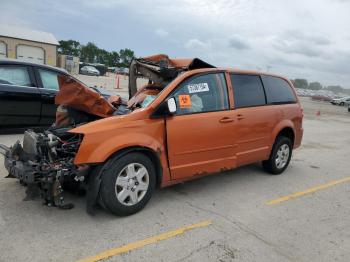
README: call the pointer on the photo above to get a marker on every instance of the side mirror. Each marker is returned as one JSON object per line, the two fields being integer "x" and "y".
{"x": 172, "y": 105}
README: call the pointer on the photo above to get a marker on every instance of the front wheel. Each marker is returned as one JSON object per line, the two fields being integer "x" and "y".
{"x": 341, "y": 104}
{"x": 127, "y": 184}
{"x": 280, "y": 156}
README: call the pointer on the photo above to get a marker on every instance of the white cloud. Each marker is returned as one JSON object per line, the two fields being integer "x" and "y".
{"x": 237, "y": 42}
{"x": 161, "y": 32}
{"x": 194, "y": 44}
{"x": 295, "y": 38}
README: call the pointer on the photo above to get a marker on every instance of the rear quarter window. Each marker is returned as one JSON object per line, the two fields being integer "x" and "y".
{"x": 49, "y": 79}
{"x": 278, "y": 91}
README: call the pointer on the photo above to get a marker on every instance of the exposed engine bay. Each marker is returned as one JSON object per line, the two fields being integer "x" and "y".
{"x": 44, "y": 162}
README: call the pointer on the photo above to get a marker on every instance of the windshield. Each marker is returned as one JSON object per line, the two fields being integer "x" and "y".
{"x": 148, "y": 100}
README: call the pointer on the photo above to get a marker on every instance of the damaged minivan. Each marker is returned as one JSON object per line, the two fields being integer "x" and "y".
{"x": 191, "y": 119}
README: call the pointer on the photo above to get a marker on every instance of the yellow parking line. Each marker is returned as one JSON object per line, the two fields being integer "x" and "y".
{"x": 308, "y": 191}
{"x": 144, "y": 242}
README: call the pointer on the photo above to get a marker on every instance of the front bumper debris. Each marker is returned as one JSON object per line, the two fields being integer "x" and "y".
{"x": 47, "y": 184}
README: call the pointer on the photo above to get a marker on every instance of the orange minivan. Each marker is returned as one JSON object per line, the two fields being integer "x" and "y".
{"x": 202, "y": 121}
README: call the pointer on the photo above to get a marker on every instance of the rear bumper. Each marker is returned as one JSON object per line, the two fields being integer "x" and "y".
{"x": 298, "y": 138}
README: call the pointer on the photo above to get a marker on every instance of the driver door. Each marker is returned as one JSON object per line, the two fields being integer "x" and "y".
{"x": 200, "y": 135}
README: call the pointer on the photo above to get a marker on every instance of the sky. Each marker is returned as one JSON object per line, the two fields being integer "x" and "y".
{"x": 295, "y": 38}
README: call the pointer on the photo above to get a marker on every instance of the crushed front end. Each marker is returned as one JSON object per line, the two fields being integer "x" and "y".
{"x": 44, "y": 163}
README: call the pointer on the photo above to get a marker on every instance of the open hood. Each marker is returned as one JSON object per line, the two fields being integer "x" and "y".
{"x": 78, "y": 96}
{"x": 160, "y": 69}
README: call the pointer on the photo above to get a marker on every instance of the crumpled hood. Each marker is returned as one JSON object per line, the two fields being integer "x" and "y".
{"x": 76, "y": 95}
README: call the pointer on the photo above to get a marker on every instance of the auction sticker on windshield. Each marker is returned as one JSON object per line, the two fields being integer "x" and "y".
{"x": 197, "y": 88}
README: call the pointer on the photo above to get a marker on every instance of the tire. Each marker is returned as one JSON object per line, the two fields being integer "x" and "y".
{"x": 341, "y": 104}
{"x": 349, "y": 109}
{"x": 131, "y": 177}
{"x": 280, "y": 146}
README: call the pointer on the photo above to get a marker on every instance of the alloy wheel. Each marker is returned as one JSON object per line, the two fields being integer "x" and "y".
{"x": 282, "y": 156}
{"x": 132, "y": 184}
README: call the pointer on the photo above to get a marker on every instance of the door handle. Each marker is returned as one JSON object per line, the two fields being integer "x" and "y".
{"x": 226, "y": 120}
{"x": 240, "y": 117}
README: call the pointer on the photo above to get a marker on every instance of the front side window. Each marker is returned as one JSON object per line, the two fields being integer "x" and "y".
{"x": 247, "y": 90}
{"x": 278, "y": 91}
{"x": 14, "y": 75}
{"x": 203, "y": 93}
{"x": 49, "y": 79}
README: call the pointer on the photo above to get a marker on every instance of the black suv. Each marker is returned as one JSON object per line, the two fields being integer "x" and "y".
{"x": 27, "y": 93}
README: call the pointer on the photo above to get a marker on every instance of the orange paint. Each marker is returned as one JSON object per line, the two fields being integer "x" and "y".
{"x": 194, "y": 144}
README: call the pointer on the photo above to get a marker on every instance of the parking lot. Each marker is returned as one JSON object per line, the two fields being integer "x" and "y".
{"x": 240, "y": 215}
{"x": 111, "y": 82}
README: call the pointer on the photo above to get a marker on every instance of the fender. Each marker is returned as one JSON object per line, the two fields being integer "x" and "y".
{"x": 281, "y": 125}
{"x": 91, "y": 152}
{"x": 99, "y": 152}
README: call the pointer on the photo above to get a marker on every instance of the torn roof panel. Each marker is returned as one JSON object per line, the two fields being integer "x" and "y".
{"x": 185, "y": 63}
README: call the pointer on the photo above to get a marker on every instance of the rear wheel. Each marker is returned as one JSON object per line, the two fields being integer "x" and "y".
{"x": 280, "y": 156}
{"x": 127, "y": 184}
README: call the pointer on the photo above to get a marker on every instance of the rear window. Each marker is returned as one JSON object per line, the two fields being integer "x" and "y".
{"x": 14, "y": 75}
{"x": 247, "y": 90}
{"x": 278, "y": 91}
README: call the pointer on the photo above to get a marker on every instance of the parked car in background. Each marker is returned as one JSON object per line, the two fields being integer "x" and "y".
{"x": 122, "y": 71}
{"x": 340, "y": 101}
{"x": 27, "y": 93}
{"x": 347, "y": 102}
{"x": 89, "y": 70}
{"x": 321, "y": 98}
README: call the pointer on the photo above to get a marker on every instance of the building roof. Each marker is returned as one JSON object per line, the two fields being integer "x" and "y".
{"x": 28, "y": 34}
{"x": 9, "y": 61}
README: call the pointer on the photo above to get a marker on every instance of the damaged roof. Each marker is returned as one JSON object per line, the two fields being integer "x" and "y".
{"x": 161, "y": 69}
{"x": 162, "y": 60}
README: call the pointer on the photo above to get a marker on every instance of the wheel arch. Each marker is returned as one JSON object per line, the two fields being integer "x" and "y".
{"x": 286, "y": 128}
{"x": 150, "y": 153}
{"x": 287, "y": 132}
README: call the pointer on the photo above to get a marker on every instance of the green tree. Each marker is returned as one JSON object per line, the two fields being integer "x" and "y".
{"x": 126, "y": 55}
{"x": 315, "y": 86}
{"x": 102, "y": 56}
{"x": 113, "y": 58}
{"x": 336, "y": 89}
{"x": 69, "y": 47}
{"x": 301, "y": 83}
{"x": 89, "y": 53}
